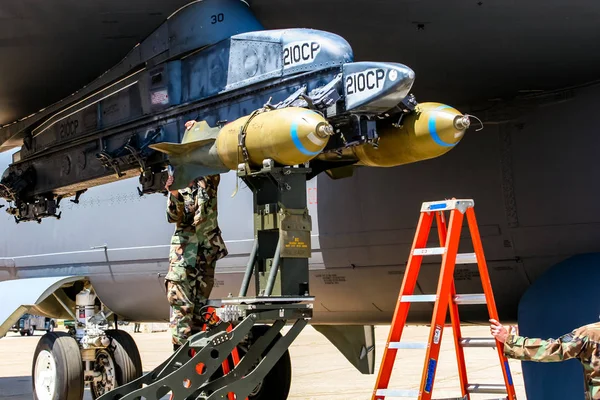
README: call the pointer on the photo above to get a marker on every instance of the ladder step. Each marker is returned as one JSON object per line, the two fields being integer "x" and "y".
{"x": 397, "y": 393}
{"x": 430, "y": 251}
{"x": 486, "y": 388}
{"x": 456, "y": 398}
{"x": 477, "y": 342}
{"x": 470, "y": 299}
{"x": 407, "y": 345}
{"x": 466, "y": 258}
{"x": 418, "y": 298}
{"x": 458, "y": 299}
{"x": 442, "y": 205}
{"x": 415, "y": 393}
{"x": 461, "y": 258}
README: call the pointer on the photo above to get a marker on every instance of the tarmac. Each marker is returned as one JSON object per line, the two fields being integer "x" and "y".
{"x": 320, "y": 371}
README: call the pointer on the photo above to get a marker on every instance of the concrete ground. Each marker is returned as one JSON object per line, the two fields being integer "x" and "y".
{"x": 320, "y": 372}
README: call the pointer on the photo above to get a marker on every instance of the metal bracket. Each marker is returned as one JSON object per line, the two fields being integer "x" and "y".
{"x": 364, "y": 131}
{"x": 293, "y": 97}
{"x": 128, "y": 153}
{"x": 136, "y": 155}
{"x": 318, "y": 99}
{"x": 40, "y": 208}
{"x": 109, "y": 162}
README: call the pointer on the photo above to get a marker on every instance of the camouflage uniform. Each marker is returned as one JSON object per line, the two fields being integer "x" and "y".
{"x": 582, "y": 343}
{"x": 196, "y": 246}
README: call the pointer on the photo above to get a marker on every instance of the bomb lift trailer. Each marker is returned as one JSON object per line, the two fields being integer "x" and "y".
{"x": 279, "y": 263}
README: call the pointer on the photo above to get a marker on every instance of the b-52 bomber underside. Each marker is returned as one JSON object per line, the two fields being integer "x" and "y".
{"x": 291, "y": 97}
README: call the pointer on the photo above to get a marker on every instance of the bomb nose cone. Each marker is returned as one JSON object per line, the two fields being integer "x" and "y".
{"x": 443, "y": 124}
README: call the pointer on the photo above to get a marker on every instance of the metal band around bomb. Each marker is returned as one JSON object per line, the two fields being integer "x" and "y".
{"x": 242, "y": 138}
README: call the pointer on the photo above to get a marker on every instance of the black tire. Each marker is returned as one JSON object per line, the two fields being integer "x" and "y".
{"x": 51, "y": 327}
{"x": 69, "y": 366}
{"x": 125, "y": 356}
{"x": 22, "y": 333}
{"x": 276, "y": 385}
{"x": 30, "y": 331}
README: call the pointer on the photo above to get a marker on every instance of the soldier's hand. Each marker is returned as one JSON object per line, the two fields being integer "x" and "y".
{"x": 169, "y": 182}
{"x": 170, "y": 179}
{"x": 189, "y": 124}
{"x": 498, "y": 330}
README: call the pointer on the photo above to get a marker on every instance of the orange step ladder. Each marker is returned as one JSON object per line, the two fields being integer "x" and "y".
{"x": 445, "y": 298}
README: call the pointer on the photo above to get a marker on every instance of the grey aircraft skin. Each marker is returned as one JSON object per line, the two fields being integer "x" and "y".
{"x": 524, "y": 68}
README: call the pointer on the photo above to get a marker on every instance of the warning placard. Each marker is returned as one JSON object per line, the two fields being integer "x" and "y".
{"x": 296, "y": 243}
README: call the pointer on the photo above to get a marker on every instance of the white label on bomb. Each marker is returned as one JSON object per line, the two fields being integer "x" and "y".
{"x": 363, "y": 85}
{"x": 300, "y": 53}
{"x": 313, "y": 138}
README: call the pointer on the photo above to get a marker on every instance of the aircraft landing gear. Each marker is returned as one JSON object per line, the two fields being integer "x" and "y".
{"x": 64, "y": 363}
{"x": 117, "y": 364}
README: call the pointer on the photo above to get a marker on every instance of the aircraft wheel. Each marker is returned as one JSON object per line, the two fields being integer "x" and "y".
{"x": 57, "y": 370}
{"x": 118, "y": 364}
{"x": 276, "y": 385}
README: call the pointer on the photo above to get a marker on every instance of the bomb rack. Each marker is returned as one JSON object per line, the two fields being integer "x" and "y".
{"x": 207, "y": 366}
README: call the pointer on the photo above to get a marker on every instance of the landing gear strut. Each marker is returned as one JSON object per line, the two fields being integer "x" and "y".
{"x": 279, "y": 263}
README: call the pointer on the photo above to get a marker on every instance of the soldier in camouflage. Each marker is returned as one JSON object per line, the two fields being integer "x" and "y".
{"x": 582, "y": 343}
{"x": 196, "y": 246}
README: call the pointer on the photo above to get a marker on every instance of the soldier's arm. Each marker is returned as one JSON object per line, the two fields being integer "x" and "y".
{"x": 175, "y": 209}
{"x": 551, "y": 350}
{"x": 211, "y": 183}
{"x": 175, "y": 206}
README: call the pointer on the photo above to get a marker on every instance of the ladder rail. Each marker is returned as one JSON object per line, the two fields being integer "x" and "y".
{"x": 460, "y": 353}
{"x": 441, "y": 306}
{"x": 489, "y": 295}
{"x": 401, "y": 312}
{"x": 454, "y": 316}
